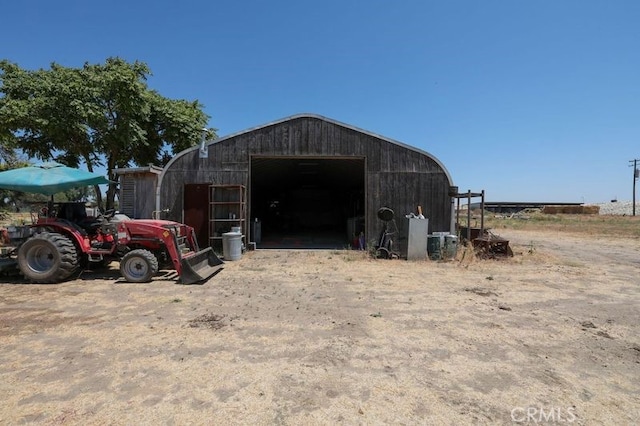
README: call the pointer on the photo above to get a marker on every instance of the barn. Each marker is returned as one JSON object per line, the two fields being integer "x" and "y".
{"x": 305, "y": 181}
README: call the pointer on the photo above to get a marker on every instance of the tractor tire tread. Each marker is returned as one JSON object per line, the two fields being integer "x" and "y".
{"x": 67, "y": 265}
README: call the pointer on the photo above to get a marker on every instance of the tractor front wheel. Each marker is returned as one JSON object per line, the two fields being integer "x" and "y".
{"x": 47, "y": 257}
{"x": 138, "y": 266}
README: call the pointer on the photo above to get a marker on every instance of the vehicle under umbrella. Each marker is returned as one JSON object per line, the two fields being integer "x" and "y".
{"x": 65, "y": 238}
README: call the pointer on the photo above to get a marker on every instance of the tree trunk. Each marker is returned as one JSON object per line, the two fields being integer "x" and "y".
{"x": 111, "y": 191}
{"x": 111, "y": 196}
{"x": 96, "y": 188}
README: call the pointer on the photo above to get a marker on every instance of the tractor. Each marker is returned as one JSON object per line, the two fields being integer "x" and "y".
{"x": 64, "y": 239}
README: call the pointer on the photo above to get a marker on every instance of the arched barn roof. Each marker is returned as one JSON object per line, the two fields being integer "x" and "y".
{"x": 309, "y": 115}
{"x": 307, "y": 175}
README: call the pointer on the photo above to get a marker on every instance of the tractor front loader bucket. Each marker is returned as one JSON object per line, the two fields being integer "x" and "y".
{"x": 199, "y": 267}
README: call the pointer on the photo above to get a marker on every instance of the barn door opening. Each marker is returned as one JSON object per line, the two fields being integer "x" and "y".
{"x": 307, "y": 202}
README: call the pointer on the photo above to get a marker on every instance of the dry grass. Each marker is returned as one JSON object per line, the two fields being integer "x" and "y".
{"x": 595, "y": 225}
{"x": 336, "y": 337}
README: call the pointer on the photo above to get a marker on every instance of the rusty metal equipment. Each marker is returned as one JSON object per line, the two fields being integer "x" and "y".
{"x": 489, "y": 246}
{"x": 486, "y": 244}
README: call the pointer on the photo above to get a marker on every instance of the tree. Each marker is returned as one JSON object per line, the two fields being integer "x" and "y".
{"x": 100, "y": 115}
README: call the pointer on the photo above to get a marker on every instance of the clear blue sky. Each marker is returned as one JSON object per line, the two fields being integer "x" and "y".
{"x": 528, "y": 100}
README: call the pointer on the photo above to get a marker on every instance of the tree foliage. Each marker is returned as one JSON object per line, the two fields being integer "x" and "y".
{"x": 99, "y": 115}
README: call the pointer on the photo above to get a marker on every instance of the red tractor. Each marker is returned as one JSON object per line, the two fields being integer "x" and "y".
{"x": 64, "y": 239}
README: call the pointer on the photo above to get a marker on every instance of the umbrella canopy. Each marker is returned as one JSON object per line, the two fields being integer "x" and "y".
{"x": 49, "y": 178}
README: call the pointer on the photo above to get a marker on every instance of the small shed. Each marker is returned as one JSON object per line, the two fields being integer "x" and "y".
{"x": 305, "y": 181}
{"x": 137, "y": 186}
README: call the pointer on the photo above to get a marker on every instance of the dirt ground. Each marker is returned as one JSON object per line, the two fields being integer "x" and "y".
{"x": 333, "y": 337}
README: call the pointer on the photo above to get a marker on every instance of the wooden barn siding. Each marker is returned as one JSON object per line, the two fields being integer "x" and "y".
{"x": 397, "y": 177}
{"x": 137, "y": 199}
{"x": 403, "y": 193}
{"x": 144, "y": 206}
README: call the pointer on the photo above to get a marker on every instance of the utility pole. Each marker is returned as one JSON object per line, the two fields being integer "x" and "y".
{"x": 636, "y": 173}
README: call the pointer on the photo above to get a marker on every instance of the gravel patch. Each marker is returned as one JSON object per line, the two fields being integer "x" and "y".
{"x": 621, "y": 208}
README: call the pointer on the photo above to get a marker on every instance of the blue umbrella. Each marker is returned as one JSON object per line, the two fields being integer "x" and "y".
{"x": 48, "y": 178}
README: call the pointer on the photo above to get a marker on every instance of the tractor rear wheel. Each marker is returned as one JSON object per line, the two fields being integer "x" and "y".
{"x": 138, "y": 266}
{"x": 48, "y": 257}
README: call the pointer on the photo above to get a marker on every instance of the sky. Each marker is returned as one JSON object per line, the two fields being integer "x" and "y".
{"x": 527, "y": 100}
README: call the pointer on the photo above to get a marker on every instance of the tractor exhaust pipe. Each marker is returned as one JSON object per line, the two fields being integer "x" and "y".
{"x": 199, "y": 267}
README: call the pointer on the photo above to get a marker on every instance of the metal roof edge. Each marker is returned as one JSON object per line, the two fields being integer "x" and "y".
{"x": 150, "y": 168}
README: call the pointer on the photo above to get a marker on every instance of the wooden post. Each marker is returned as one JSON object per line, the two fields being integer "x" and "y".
{"x": 469, "y": 215}
{"x": 636, "y": 174}
{"x": 458, "y": 216}
{"x": 635, "y": 177}
{"x": 482, "y": 215}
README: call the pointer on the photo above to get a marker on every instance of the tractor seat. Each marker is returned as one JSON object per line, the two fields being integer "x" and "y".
{"x": 90, "y": 225}
{"x": 73, "y": 212}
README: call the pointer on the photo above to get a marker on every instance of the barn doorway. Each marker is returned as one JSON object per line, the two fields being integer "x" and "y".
{"x": 307, "y": 202}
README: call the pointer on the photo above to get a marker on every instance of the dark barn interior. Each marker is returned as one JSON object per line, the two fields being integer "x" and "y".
{"x": 307, "y": 201}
